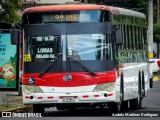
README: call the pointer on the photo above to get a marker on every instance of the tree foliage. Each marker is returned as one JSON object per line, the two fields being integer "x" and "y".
{"x": 141, "y": 5}
{"x": 144, "y": 5}
{"x": 11, "y": 8}
{"x": 156, "y": 32}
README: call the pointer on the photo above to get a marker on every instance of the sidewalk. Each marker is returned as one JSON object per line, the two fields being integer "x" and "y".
{"x": 14, "y": 104}
{"x": 155, "y": 78}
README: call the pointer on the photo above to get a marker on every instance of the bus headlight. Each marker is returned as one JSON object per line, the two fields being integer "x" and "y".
{"x": 109, "y": 87}
{"x": 28, "y": 89}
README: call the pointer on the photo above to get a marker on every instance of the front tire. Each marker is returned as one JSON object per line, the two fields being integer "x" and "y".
{"x": 124, "y": 105}
{"x": 38, "y": 109}
{"x": 136, "y": 103}
{"x": 115, "y": 107}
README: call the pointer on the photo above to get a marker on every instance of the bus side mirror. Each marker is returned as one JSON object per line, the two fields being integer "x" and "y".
{"x": 118, "y": 37}
{"x": 14, "y": 36}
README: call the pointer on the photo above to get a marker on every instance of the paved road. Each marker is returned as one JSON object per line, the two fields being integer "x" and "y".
{"x": 151, "y": 104}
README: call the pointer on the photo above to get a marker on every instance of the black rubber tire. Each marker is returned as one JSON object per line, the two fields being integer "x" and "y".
{"x": 151, "y": 82}
{"x": 114, "y": 107}
{"x": 124, "y": 105}
{"x": 136, "y": 103}
{"x": 38, "y": 109}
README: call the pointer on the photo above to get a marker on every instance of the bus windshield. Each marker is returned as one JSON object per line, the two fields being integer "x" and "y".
{"x": 42, "y": 48}
{"x": 88, "y": 46}
{"x": 81, "y": 47}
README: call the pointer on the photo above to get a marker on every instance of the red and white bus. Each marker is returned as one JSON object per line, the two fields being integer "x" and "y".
{"x": 83, "y": 55}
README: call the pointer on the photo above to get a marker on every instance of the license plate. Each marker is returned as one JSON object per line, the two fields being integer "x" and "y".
{"x": 68, "y": 99}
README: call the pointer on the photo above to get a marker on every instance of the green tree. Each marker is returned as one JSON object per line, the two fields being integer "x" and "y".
{"x": 144, "y": 5}
{"x": 11, "y": 8}
{"x": 91, "y": 1}
{"x": 156, "y": 32}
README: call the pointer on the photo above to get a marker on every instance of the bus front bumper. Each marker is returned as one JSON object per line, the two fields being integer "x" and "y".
{"x": 88, "y": 97}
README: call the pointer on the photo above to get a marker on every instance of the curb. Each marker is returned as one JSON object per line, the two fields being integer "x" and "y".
{"x": 156, "y": 78}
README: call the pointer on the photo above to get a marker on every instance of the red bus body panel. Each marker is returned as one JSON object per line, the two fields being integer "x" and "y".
{"x": 78, "y": 79}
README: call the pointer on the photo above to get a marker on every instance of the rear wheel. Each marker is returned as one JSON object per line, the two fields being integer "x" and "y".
{"x": 151, "y": 83}
{"x": 115, "y": 107}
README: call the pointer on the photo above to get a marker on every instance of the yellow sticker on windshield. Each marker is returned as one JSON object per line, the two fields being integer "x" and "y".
{"x": 27, "y": 58}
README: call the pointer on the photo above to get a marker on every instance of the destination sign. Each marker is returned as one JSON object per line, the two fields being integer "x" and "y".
{"x": 71, "y": 16}
{"x": 65, "y": 17}
{"x": 45, "y": 38}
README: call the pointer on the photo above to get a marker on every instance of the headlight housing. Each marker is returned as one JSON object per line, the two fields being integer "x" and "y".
{"x": 109, "y": 87}
{"x": 28, "y": 89}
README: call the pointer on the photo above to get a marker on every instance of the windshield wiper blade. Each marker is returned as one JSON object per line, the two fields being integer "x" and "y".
{"x": 49, "y": 65}
{"x": 81, "y": 65}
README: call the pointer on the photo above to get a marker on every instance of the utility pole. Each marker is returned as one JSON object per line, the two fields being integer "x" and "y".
{"x": 158, "y": 21}
{"x": 150, "y": 29}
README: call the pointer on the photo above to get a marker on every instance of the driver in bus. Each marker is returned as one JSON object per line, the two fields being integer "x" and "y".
{"x": 73, "y": 53}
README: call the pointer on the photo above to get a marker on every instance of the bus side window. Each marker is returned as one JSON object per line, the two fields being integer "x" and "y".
{"x": 127, "y": 37}
{"x": 132, "y": 37}
{"x": 118, "y": 36}
{"x": 139, "y": 39}
{"x": 135, "y": 36}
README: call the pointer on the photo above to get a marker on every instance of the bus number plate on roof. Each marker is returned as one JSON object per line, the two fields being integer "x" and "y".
{"x": 68, "y": 99}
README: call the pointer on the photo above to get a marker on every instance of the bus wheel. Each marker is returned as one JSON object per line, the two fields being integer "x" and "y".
{"x": 38, "y": 109}
{"x": 136, "y": 104}
{"x": 151, "y": 82}
{"x": 115, "y": 107}
{"x": 124, "y": 105}
{"x": 118, "y": 107}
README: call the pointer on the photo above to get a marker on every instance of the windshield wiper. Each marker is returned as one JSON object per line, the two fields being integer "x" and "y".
{"x": 81, "y": 65}
{"x": 49, "y": 65}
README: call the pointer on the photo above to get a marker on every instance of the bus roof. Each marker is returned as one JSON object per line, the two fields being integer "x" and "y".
{"x": 113, "y": 10}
